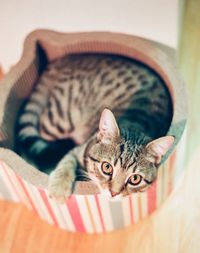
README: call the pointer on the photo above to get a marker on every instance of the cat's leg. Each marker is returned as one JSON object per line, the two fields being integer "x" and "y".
{"x": 62, "y": 179}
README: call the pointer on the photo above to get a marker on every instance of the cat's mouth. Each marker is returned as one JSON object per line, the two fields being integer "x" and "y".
{"x": 110, "y": 195}
{"x": 114, "y": 194}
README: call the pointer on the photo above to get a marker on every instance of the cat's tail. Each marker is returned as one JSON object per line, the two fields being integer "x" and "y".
{"x": 28, "y": 143}
{"x": 42, "y": 154}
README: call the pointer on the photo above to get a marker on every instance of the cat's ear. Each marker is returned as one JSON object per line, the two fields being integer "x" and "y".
{"x": 159, "y": 147}
{"x": 108, "y": 128}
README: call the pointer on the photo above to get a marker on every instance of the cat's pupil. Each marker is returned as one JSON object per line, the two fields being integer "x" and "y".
{"x": 135, "y": 179}
{"x": 107, "y": 168}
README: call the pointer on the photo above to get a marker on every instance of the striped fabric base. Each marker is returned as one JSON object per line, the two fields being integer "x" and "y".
{"x": 89, "y": 213}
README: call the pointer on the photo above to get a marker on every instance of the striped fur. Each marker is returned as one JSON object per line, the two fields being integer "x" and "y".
{"x": 65, "y": 106}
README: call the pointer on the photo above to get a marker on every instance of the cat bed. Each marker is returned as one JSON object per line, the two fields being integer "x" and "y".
{"x": 85, "y": 210}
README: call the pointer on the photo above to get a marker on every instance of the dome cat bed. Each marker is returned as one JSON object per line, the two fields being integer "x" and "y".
{"x": 85, "y": 210}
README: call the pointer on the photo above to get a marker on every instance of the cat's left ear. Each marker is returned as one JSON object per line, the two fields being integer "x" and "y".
{"x": 108, "y": 128}
{"x": 159, "y": 147}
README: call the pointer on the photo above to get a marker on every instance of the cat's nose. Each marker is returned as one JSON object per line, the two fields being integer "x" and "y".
{"x": 113, "y": 194}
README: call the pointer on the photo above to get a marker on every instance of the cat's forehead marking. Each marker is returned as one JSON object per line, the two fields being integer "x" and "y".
{"x": 131, "y": 169}
{"x": 132, "y": 166}
{"x": 129, "y": 160}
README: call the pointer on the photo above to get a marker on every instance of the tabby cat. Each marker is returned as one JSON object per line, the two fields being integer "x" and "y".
{"x": 104, "y": 115}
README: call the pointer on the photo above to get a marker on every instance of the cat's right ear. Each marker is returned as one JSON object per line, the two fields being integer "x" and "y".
{"x": 159, "y": 147}
{"x": 108, "y": 128}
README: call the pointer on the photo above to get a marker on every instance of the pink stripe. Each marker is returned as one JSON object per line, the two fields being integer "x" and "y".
{"x": 99, "y": 211}
{"x": 46, "y": 201}
{"x": 151, "y": 196}
{"x": 131, "y": 208}
{"x": 73, "y": 208}
{"x": 27, "y": 193}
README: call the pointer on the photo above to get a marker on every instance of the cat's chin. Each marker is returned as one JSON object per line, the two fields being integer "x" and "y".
{"x": 106, "y": 193}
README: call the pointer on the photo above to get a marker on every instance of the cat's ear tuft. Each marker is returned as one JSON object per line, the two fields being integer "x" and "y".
{"x": 159, "y": 147}
{"x": 108, "y": 128}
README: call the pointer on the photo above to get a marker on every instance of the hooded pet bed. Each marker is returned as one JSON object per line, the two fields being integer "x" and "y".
{"x": 85, "y": 210}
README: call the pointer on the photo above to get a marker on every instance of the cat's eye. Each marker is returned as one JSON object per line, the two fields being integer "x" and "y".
{"x": 135, "y": 179}
{"x": 107, "y": 168}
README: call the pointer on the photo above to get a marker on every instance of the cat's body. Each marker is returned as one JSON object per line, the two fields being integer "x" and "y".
{"x": 65, "y": 108}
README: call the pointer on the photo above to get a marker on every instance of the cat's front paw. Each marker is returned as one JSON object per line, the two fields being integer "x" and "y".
{"x": 60, "y": 187}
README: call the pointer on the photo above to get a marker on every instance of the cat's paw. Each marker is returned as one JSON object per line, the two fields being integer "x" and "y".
{"x": 60, "y": 187}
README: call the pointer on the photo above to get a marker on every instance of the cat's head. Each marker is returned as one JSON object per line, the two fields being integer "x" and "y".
{"x": 120, "y": 167}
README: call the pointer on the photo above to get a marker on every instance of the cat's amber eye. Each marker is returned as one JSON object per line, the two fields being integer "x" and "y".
{"x": 135, "y": 179}
{"x": 107, "y": 168}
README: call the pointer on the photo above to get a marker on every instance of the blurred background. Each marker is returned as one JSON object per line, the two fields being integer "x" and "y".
{"x": 154, "y": 19}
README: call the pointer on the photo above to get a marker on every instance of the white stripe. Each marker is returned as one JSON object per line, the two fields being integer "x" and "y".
{"x": 43, "y": 205}
{"x": 143, "y": 201}
{"x": 180, "y": 158}
{"x": 18, "y": 187}
{"x": 135, "y": 207}
{"x": 106, "y": 212}
{"x": 8, "y": 183}
{"x": 57, "y": 213}
{"x": 95, "y": 213}
{"x": 41, "y": 208}
{"x": 126, "y": 211}
{"x": 68, "y": 219}
{"x": 31, "y": 195}
{"x": 84, "y": 213}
